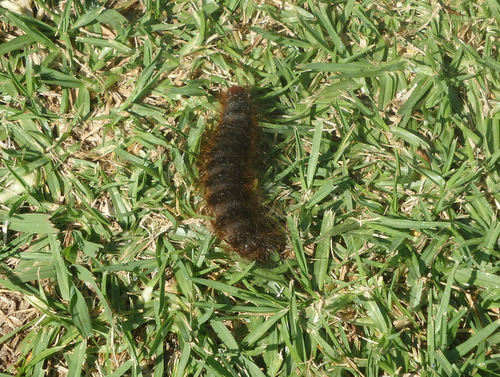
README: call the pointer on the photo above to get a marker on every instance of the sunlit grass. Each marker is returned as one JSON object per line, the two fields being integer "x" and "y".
{"x": 380, "y": 150}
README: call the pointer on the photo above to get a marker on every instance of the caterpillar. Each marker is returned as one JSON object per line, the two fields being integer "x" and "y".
{"x": 228, "y": 176}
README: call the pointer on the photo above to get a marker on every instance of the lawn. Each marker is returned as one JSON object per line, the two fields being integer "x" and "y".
{"x": 379, "y": 156}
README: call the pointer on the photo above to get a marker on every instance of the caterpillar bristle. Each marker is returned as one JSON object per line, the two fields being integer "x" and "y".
{"x": 227, "y": 172}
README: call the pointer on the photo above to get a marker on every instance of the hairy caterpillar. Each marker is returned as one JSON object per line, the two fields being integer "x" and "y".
{"x": 228, "y": 177}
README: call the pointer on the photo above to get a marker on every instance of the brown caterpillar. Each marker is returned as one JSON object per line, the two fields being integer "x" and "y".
{"x": 228, "y": 176}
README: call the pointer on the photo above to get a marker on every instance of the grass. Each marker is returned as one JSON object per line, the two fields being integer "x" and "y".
{"x": 380, "y": 155}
